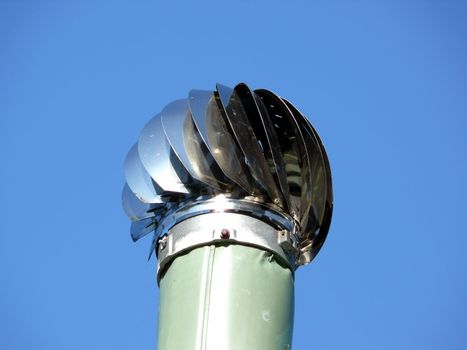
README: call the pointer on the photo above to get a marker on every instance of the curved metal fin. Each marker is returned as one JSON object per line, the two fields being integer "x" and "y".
{"x": 237, "y": 115}
{"x": 152, "y": 248}
{"x": 327, "y": 167}
{"x": 202, "y": 160}
{"x": 328, "y": 208}
{"x": 327, "y": 197}
{"x": 306, "y": 212}
{"x": 159, "y": 159}
{"x": 217, "y": 137}
{"x": 271, "y": 153}
{"x": 141, "y": 228}
{"x": 133, "y": 207}
{"x": 173, "y": 118}
{"x": 293, "y": 152}
{"x": 318, "y": 175}
{"x": 198, "y": 101}
{"x": 277, "y": 166}
{"x": 138, "y": 179}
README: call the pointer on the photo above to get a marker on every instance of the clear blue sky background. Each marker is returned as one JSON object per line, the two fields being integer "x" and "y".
{"x": 384, "y": 82}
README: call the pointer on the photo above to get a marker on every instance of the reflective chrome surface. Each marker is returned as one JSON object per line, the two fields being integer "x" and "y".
{"x": 250, "y": 152}
{"x": 138, "y": 179}
{"x": 141, "y": 228}
{"x": 133, "y": 207}
{"x": 325, "y": 194}
{"x": 291, "y": 145}
{"x": 216, "y": 136}
{"x": 237, "y": 114}
{"x": 201, "y": 159}
{"x": 274, "y": 152}
{"x": 158, "y": 158}
{"x": 173, "y": 119}
{"x": 316, "y": 176}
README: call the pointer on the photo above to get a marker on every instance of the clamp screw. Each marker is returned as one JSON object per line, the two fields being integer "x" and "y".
{"x": 162, "y": 243}
{"x": 225, "y": 234}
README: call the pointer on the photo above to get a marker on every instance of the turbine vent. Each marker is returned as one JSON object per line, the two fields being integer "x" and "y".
{"x": 230, "y": 150}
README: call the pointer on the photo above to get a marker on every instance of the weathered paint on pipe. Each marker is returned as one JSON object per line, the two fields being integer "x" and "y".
{"x": 231, "y": 297}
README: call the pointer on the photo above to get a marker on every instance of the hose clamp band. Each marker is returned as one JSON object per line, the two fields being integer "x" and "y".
{"x": 229, "y": 227}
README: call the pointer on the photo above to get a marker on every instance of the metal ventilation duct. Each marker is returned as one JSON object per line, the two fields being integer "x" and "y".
{"x": 231, "y": 151}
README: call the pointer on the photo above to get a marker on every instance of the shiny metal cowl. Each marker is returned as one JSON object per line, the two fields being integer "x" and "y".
{"x": 232, "y": 151}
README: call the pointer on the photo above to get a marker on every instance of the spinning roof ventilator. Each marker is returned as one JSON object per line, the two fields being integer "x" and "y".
{"x": 235, "y": 187}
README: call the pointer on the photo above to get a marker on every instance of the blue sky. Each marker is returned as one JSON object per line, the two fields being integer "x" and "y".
{"x": 385, "y": 84}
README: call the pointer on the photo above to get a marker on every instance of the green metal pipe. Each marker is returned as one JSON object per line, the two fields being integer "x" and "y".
{"x": 226, "y": 297}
